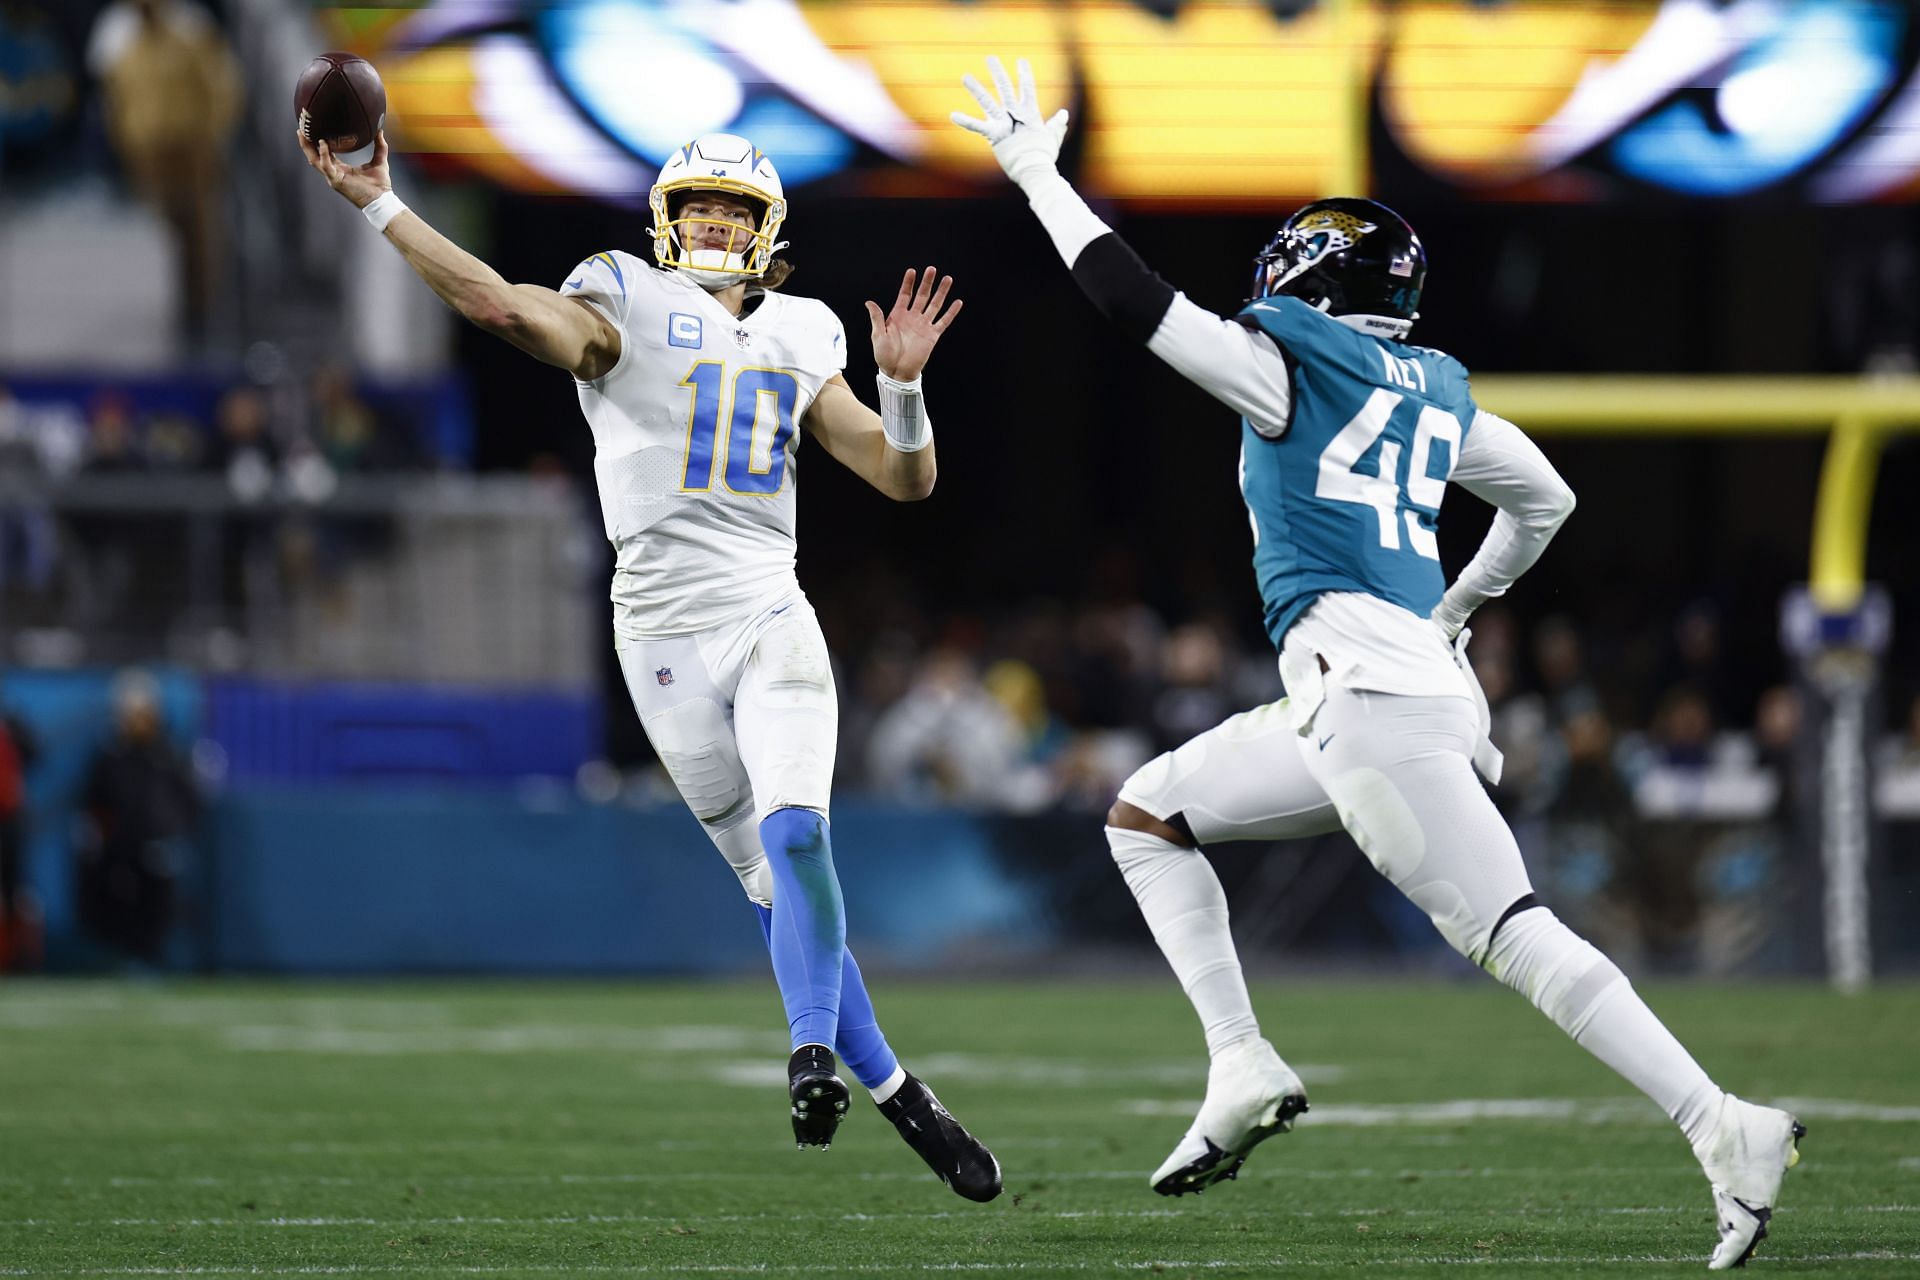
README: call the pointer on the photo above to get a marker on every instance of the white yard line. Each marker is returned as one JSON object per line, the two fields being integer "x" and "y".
{"x": 895, "y": 1268}
{"x": 629, "y": 1219}
{"x": 1577, "y": 1110}
{"x": 1362, "y": 1174}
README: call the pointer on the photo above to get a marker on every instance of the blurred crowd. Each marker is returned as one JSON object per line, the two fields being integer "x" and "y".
{"x": 1652, "y": 776}
{"x": 256, "y": 434}
{"x": 259, "y": 452}
{"x": 1055, "y": 703}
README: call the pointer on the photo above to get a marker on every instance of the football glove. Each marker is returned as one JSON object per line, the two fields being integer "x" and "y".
{"x": 1026, "y": 146}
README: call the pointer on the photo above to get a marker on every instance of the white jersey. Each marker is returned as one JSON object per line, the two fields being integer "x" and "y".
{"x": 695, "y": 429}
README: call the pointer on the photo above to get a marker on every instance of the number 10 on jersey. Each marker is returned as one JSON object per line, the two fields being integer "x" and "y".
{"x": 707, "y": 381}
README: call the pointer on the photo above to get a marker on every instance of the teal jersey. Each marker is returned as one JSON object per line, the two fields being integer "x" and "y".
{"x": 1348, "y": 497}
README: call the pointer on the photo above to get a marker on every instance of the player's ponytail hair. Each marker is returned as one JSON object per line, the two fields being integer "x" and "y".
{"x": 776, "y": 273}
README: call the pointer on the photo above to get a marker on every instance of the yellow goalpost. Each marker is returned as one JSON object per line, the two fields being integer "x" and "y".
{"x": 1839, "y": 626}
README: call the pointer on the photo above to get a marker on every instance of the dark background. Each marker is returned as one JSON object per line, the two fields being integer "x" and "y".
{"x": 1075, "y": 467}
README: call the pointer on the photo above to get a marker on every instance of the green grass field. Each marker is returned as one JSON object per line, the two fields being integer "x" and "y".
{"x": 465, "y": 1129}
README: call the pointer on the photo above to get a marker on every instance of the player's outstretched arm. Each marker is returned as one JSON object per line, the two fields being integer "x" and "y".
{"x": 1240, "y": 368}
{"x": 891, "y": 450}
{"x": 560, "y": 331}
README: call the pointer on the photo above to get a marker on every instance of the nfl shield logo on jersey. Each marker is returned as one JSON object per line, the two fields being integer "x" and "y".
{"x": 664, "y": 675}
{"x": 742, "y": 338}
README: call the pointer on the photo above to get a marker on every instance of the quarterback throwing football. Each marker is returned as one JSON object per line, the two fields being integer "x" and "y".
{"x": 1349, "y": 438}
{"x": 696, "y": 377}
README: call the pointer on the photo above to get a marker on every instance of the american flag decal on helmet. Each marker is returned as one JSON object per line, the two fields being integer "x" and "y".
{"x": 664, "y": 675}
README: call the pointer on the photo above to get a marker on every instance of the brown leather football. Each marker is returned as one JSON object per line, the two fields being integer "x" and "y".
{"x": 339, "y": 98}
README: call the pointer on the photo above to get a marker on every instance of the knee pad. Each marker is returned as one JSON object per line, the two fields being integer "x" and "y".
{"x": 699, "y": 754}
{"x": 1385, "y": 827}
{"x": 1562, "y": 974}
{"x": 739, "y": 844}
{"x": 1147, "y": 788}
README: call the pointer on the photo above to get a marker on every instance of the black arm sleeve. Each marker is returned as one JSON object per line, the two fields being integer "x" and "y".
{"x": 1124, "y": 288}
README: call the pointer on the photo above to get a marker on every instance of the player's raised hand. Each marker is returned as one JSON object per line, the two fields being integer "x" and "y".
{"x": 362, "y": 184}
{"x": 1025, "y": 145}
{"x": 903, "y": 338}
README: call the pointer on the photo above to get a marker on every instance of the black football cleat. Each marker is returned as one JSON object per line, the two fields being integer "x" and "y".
{"x": 958, "y": 1158}
{"x": 819, "y": 1096}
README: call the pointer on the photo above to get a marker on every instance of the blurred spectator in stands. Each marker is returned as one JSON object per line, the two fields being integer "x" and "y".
{"x": 349, "y": 434}
{"x": 1116, "y": 642}
{"x": 1194, "y": 695}
{"x": 1777, "y": 720}
{"x": 1776, "y": 725}
{"x": 1591, "y": 786}
{"x": 55, "y": 433}
{"x": 172, "y": 97}
{"x": 113, "y": 442}
{"x": 38, "y": 90}
{"x": 139, "y": 808}
{"x": 1559, "y": 659}
{"x": 19, "y": 916}
{"x": 1681, "y": 734}
{"x": 1696, "y": 660}
{"x": 108, "y": 549}
{"x": 243, "y": 446}
{"x": 1018, "y": 688}
{"x": 28, "y": 541}
{"x": 1522, "y": 729}
{"x": 947, "y": 740}
{"x": 174, "y": 443}
{"x": 882, "y": 680}
{"x": 1088, "y": 774}
{"x": 245, "y": 451}
{"x": 1897, "y": 789}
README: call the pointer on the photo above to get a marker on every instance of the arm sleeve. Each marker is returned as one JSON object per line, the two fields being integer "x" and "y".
{"x": 1236, "y": 365}
{"x": 1240, "y": 367}
{"x": 1500, "y": 465}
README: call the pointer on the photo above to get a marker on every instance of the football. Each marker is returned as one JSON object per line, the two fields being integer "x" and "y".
{"x": 339, "y": 99}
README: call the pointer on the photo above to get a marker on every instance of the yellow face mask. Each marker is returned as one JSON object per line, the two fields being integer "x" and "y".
{"x": 750, "y": 249}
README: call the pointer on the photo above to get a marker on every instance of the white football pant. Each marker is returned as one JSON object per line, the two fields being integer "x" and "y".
{"x": 1396, "y": 772}
{"x": 745, "y": 720}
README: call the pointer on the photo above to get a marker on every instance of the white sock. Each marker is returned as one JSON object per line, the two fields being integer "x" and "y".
{"x": 1187, "y": 910}
{"x": 890, "y": 1086}
{"x": 1587, "y": 996}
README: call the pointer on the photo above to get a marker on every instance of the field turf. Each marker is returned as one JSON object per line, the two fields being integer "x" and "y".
{"x": 625, "y": 1129}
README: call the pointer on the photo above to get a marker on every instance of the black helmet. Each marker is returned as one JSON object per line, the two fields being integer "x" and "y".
{"x": 1356, "y": 256}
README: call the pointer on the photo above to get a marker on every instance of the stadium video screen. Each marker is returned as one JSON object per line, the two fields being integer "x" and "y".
{"x": 1217, "y": 102}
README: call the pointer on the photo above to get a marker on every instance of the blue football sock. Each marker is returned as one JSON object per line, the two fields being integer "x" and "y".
{"x": 862, "y": 1045}
{"x": 809, "y": 933}
{"x": 859, "y": 1042}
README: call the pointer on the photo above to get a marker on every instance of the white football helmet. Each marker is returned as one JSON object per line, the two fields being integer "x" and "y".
{"x": 717, "y": 162}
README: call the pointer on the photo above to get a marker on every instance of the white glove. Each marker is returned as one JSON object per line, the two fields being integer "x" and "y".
{"x": 1026, "y": 146}
{"x": 1448, "y": 623}
{"x": 1486, "y": 757}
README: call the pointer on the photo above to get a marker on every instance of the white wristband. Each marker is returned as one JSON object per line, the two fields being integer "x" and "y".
{"x": 903, "y": 415}
{"x": 384, "y": 209}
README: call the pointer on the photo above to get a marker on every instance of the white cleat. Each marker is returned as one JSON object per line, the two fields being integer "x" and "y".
{"x": 1745, "y": 1157}
{"x": 1251, "y": 1095}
